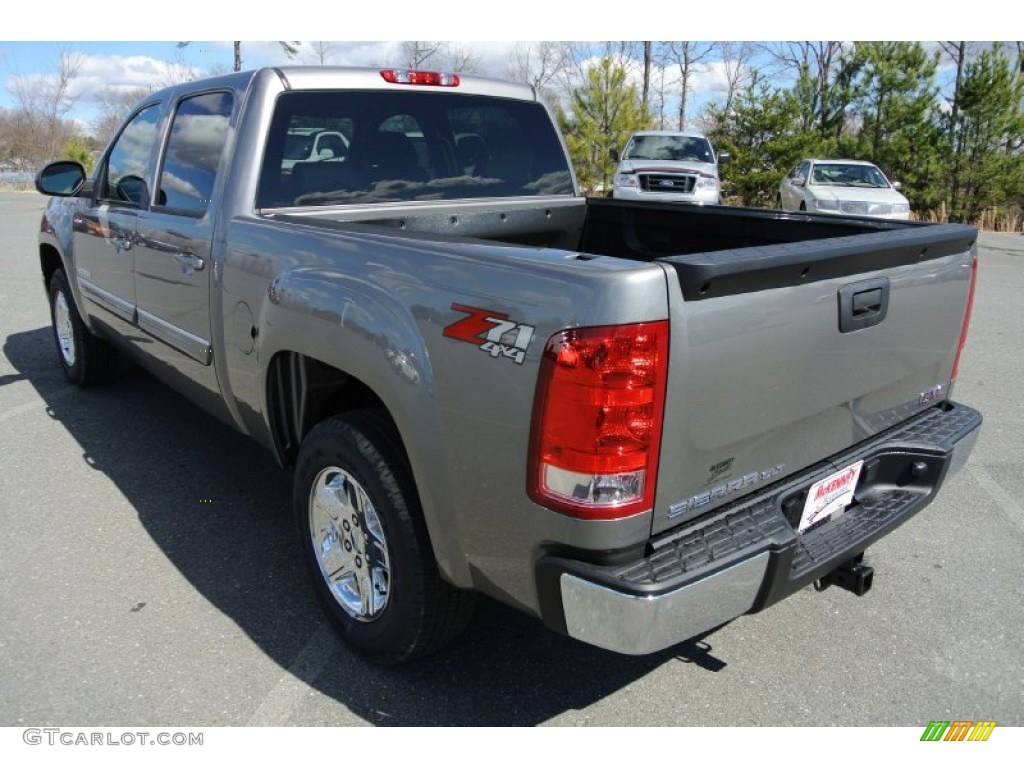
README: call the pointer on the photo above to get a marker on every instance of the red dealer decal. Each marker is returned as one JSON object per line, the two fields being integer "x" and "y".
{"x": 838, "y": 484}
{"x": 492, "y": 332}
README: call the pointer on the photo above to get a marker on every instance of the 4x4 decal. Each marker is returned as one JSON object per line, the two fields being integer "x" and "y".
{"x": 492, "y": 332}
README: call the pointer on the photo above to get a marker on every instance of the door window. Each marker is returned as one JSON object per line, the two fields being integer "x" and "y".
{"x": 124, "y": 172}
{"x": 198, "y": 135}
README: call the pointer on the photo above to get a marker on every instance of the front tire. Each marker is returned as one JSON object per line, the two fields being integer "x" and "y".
{"x": 85, "y": 358}
{"x": 362, "y": 533}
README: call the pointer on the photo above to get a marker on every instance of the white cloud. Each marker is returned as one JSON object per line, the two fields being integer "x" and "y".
{"x": 177, "y": 184}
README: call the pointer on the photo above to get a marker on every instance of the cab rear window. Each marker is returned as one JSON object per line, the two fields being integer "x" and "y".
{"x": 356, "y": 147}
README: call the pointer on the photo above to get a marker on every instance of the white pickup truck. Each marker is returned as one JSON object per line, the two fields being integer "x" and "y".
{"x": 669, "y": 166}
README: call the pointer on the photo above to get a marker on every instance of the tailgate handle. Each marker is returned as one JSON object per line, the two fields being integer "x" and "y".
{"x": 867, "y": 302}
{"x": 863, "y": 304}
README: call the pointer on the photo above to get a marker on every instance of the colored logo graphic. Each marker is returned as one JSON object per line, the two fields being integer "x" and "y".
{"x": 492, "y": 332}
{"x": 958, "y": 730}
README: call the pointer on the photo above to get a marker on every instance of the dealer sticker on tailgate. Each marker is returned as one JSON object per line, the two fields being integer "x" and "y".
{"x": 829, "y": 496}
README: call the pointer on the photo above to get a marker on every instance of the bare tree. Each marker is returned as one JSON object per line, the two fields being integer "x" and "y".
{"x": 44, "y": 101}
{"x": 645, "y": 92}
{"x": 115, "y": 105}
{"x": 47, "y": 96}
{"x": 577, "y": 59}
{"x": 322, "y": 51}
{"x": 736, "y": 58}
{"x": 958, "y": 52}
{"x": 688, "y": 55}
{"x": 178, "y": 70}
{"x": 540, "y": 64}
{"x": 829, "y": 70}
{"x": 459, "y": 58}
{"x": 418, "y": 53}
{"x": 661, "y": 81}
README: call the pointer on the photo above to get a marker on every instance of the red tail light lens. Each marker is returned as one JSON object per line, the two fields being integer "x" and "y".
{"x": 597, "y": 420}
{"x": 418, "y": 77}
{"x": 967, "y": 317}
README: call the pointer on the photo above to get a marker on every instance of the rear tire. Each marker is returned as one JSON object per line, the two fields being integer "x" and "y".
{"x": 363, "y": 536}
{"x": 85, "y": 358}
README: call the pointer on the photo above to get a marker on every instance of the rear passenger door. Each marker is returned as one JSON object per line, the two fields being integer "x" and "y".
{"x": 173, "y": 259}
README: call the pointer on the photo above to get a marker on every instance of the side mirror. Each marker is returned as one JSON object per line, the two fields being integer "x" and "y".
{"x": 613, "y": 153}
{"x": 60, "y": 179}
{"x": 897, "y": 186}
{"x": 132, "y": 189}
{"x": 799, "y": 181}
{"x": 724, "y": 158}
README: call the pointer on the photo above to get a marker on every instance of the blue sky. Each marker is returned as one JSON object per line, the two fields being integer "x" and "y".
{"x": 127, "y": 64}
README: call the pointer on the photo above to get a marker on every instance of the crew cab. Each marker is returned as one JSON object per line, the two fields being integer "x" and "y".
{"x": 633, "y": 420}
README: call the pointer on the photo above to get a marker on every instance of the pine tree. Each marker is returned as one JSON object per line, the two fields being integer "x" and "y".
{"x": 78, "y": 149}
{"x": 763, "y": 133}
{"x": 603, "y": 113}
{"x": 896, "y": 108}
{"x": 989, "y": 132}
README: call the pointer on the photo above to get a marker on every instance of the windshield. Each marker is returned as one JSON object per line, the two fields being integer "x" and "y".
{"x": 848, "y": 175}
{"x": 695, "y": 148}
{"x": 409, "y": 146}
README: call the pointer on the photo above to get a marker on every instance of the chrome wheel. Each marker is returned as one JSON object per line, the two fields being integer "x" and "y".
{"x": 349, "y": 544}
{"x": 64, "y": 329}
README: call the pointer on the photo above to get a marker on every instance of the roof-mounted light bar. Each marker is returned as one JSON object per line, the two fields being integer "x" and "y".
{"x": 419, "y": 77}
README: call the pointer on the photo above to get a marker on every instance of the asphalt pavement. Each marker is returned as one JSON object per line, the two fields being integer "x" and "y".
{"x": 150, "y": 576}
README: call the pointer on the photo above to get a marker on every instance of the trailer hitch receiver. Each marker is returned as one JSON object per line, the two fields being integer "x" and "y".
{"x": 853, "y": 576}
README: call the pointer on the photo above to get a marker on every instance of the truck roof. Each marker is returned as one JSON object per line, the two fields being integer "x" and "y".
{"x": 354, "y": 78}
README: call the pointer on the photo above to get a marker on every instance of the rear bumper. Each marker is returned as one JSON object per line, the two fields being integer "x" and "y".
{"x": 747, "y": 556}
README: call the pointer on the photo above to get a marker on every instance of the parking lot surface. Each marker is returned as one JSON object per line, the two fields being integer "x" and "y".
{"x": 151, "y": 576}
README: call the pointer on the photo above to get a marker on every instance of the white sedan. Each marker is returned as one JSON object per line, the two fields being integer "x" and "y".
{"x": 850, "y": 187}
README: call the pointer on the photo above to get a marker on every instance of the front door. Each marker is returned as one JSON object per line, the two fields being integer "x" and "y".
{"x": 104, "y": 229}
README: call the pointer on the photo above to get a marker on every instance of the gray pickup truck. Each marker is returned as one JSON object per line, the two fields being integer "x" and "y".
{"x": 635, "y": 421}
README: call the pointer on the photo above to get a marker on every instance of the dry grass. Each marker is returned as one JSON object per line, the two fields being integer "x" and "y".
{"x": 995, "y": 219}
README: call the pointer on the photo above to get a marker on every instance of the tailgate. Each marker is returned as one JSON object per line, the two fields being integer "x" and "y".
{"x": 784, "y": 355}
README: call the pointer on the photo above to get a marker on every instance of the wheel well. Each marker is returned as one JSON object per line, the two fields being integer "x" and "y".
{"x": 49, "y": 261}
{"x": 302, "y": 392}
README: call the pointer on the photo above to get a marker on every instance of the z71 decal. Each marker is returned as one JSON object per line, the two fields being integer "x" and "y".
{"x": 492, "y": 332}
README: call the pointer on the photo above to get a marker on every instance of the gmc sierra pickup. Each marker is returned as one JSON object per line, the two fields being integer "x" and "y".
{"x": 635, "y": 421}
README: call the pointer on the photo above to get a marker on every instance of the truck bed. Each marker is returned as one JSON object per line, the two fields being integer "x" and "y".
{"x": 607, "y": 227}
{"x": 766, "y": 375}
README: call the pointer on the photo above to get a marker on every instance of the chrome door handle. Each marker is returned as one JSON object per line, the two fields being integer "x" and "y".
{"x": 189, "y": 262}
{"x": 121, "y": 243}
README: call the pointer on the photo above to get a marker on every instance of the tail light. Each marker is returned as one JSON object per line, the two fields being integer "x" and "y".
{"x": 597, "y": 420}
{"x": 418, "y": 77}
{"x": 967, "y": 317}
